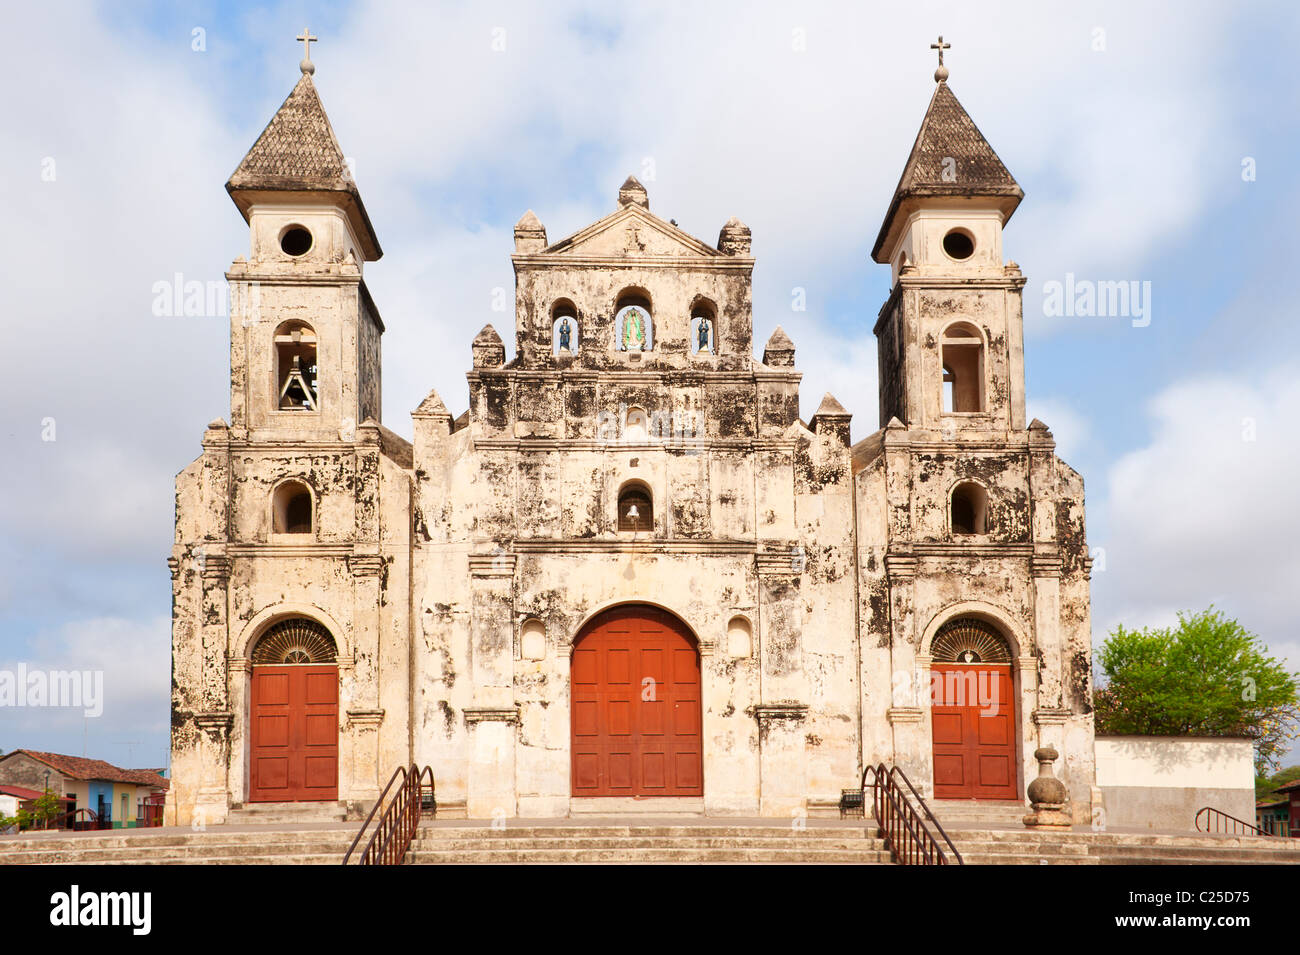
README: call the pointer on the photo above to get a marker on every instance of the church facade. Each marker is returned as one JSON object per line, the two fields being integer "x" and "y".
{"x": 629, "y": 577}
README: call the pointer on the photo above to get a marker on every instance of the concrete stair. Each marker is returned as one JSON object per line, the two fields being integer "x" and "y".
{"x": 1084, "y": 847}
{"x": 668, "y": 842}
{"x": 648, "y": 844}
{"x": 286, "y": 813}
{"x": 174, "y": 846}
{"x": 987, "y": 812}
{"x": 562, "y": 842}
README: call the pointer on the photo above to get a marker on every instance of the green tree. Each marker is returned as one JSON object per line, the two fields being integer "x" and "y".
{"x": 44, "y": 808}
{"x": 1208, "y": 676}
{"x": 1265, "y": 785}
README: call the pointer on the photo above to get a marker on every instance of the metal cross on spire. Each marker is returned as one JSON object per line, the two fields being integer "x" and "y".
{"x": 307, "y": 66}
{"x": 941, "y": 73}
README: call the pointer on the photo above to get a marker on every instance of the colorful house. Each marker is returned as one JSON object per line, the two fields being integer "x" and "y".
{"x": 1273, "y": 816}
{"x": 1291, "y": 793}
{"x": 118, "y": 797}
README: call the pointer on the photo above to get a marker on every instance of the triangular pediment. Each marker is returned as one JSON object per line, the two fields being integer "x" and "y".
{"x": 630, "y": 232}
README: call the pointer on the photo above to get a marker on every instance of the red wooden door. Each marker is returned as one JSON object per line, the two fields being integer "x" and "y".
{"x": 636, "y": 707}
{"x": 295, "y": 733}
{"x": 974, "y": 721}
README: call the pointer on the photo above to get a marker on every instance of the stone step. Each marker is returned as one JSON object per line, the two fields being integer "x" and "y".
{"x": 1011, "y": 846}
{"x": 641, "y": 856}
{"x": 636, "y": 805}
{"x": 1005, "y": 848}
{"x": 530, "y": 845}
{"x": 1028, "y": 859}
{"x": 332, "y": 858}
{"x": 1125, "y": 855}
{"x": 286, "y": 813}
{"x": 977, "y": 810}
{"x": 206, "y": 852}
{"x": 652, "y": 843}
{"x": 245, "y": 840}
{"x": 645, "y": 832}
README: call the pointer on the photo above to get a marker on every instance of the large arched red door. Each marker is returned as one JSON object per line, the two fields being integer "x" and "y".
{"x": 636, "y": 716}
{"x": 973, "y": 713}
{"x": 294, "y": 715}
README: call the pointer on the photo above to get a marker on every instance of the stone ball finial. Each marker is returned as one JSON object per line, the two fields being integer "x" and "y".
{"x": 1048, "y": 796}
{"x": 941, "y": 73}
{"x": 307, "y": 66}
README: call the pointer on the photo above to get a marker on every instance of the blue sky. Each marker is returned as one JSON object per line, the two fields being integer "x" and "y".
{"x": 1127, "y": 129}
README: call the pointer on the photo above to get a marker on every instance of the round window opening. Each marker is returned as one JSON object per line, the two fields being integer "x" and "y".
{"x": 295, "y": 241}
{"x": 959, "y": 244}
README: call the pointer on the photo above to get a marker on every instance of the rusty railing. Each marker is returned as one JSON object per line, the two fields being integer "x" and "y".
{"x": 77, "y": 820}
{"x": 401, "y": 817}
{"x": 907, "y": 836}
{"x": 1218, "y": 822}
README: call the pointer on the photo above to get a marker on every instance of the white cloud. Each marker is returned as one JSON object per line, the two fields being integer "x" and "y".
{"x": 1204, "y": 512}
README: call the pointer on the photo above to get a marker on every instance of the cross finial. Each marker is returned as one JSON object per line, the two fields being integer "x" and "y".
{"x": 307, "y": 66}
{"x": 941, "y": 73}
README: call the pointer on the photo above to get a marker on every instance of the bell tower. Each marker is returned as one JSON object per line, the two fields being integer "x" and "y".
{"x": 950, "y": 335}
{"x": 304, "y": 332}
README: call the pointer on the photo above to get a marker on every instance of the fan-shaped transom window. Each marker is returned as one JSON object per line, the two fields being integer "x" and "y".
{"x": 296, "y": 640}
{"x": 969, "y": 640}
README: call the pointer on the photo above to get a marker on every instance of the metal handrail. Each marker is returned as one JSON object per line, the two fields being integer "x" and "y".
{"x": 897, "y": 771}
{"x": 53, "y": 821}
{"x": 904, "y": 830}
{"x": 401, "y": 818}
{"x": 1214, "y": 817}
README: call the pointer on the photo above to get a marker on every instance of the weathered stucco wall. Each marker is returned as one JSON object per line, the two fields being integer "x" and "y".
{"x": 457, "y": 571}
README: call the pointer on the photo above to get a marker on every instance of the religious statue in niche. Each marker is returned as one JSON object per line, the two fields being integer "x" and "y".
{"x": 702, "y": 335}
{"x": 634, "y": 329}
{"x": 566, "y": 335}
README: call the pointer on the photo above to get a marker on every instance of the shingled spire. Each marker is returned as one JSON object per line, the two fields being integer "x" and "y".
{"x": 298, "y": 153}
{"x": 950, "y": 159}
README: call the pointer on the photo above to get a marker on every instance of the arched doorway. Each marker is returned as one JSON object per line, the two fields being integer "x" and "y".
{"x": 294, "y": 718}
{"x": 973, "y": 712}
{"x": 635, "y": 706}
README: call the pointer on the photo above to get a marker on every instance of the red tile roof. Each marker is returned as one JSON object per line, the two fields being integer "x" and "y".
{"x": 1288, "y": 787}
{"x": 20, "y": 792}
{"x": 79, "y": 767}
